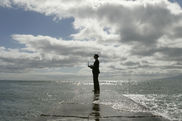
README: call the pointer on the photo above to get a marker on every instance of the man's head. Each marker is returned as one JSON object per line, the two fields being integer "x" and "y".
{"x": 96, "y": 56}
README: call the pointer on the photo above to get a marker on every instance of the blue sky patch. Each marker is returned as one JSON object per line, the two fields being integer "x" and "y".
{"x": 19, "y": 21}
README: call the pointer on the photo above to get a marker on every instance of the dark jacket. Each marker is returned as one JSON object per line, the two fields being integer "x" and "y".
{"x": 95, "y": 69}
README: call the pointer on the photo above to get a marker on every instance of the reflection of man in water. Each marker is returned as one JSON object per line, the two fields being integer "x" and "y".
{"x": 96, "y": 108}
{"x": 95, "y": 71}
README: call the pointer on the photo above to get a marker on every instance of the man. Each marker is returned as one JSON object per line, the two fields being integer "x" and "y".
{"x": 95, "y": 72}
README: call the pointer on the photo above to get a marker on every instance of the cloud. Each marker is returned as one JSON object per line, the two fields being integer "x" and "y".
{"x": 142, "y": 37}
{"x": 47, "y": 52}
{"x": 5, "y": 3}
{"x": 67, "y": 48}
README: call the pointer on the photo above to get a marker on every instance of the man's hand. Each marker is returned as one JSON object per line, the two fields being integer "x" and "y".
{"x": 91, "y": 66}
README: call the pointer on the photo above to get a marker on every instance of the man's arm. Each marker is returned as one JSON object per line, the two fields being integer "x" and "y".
{"x": 90, "y": 66}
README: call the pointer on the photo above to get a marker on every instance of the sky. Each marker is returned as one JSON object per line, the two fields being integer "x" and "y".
{"x": 55, "y": 39}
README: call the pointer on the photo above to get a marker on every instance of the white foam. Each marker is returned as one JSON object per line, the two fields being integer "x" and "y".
{"x": 161, "y": 104}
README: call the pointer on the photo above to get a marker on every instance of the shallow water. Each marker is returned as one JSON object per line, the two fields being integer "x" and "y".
{"x": 26, "y": 100}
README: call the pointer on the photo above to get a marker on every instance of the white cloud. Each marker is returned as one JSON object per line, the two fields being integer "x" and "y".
{"x": 48, "y": 52}
{"x": 5, "y": 3}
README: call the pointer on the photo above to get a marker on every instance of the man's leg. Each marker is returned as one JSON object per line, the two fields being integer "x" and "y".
{"x": 96, "y": 83}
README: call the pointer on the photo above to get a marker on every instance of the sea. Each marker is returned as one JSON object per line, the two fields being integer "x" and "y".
{"x": 27, "y": 100}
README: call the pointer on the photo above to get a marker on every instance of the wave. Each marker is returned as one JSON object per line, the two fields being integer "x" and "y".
{"x": 167, "y": 106}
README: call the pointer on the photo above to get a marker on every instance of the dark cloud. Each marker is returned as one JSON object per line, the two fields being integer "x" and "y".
{"x": 131, "y": 63}
{"x": 176, "y": 33}
{"x": 140, "y": 24}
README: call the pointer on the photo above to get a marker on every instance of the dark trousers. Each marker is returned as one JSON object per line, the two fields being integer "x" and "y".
{"x": 96, "y": 82}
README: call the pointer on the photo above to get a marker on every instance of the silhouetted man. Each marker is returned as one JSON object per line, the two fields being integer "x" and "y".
{"x": 95, "y": 71}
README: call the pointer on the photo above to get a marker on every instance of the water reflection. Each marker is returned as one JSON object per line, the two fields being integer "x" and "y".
{"x": 95, "y": 107}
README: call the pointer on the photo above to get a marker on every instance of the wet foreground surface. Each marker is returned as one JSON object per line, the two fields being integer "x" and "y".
{"x": 93, "y": 107}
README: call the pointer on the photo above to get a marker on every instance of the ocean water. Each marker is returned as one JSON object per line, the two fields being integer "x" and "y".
{"x": 26, "y": 100}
